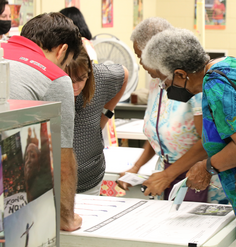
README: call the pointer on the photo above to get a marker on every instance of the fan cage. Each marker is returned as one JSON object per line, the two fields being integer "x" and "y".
{"x": 114, "y": 51}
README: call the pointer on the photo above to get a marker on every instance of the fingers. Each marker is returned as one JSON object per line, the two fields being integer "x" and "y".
{"x": 199, "y": 181}
{"x": 147, "y": 192}
{"x": 123, "y": 185}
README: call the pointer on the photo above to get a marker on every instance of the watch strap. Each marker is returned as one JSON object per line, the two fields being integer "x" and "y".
{"x": 107, "y": 113}
{"x": 212, "y": 170}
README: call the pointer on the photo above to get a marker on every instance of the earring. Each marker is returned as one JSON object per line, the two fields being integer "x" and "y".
{"x": 187, "y": 78}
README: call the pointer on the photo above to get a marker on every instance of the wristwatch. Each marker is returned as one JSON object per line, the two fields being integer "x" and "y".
{"x": 107, "y": 113}
{"x": 210, "y": 168}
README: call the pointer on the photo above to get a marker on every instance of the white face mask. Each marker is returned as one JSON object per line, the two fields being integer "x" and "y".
{"x": 162, "y": 84}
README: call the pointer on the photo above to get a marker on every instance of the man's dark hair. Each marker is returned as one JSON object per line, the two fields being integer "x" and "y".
{"x": 77, "y": 17}
{"x": 51, "y": 30}
{"x": 2, "y": 5}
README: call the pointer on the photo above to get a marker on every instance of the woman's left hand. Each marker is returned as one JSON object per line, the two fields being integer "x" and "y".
{"x": 198, "y": 177}
{"x": 157, "y": 183}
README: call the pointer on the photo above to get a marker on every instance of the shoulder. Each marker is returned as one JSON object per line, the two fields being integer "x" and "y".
{"x": 215, "y": 80}
{"x": 104, "y": 67}
{"x": 25, "y": 51}
{"x": 115, "y": 71}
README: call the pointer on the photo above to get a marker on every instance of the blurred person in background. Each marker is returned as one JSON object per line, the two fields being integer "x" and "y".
{"x": 5, "y": 19}
{"x": 78, "y": 19}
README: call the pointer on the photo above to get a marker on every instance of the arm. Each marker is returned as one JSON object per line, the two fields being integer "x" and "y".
{"x": 69, "y": 220}
{"x": 147, "y": 154}
{"x": 198, "y": 176}
{"x": 113, "y": 102}
{"x": 225, "y": 159}
{"x": 158, "y": 182}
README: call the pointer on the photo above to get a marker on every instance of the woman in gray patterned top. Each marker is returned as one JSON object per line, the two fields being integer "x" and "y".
{"x": 92, "y": 109}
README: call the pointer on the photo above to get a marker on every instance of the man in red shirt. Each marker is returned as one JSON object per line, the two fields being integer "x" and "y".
{"x": 47, "y": 44}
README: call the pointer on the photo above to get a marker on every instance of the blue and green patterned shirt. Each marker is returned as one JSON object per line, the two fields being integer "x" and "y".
{"x": 220, "y": 97}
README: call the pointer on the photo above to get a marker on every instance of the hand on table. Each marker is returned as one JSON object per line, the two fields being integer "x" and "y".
{"x": 157, "y": 183}
{"x": 71, "y": 226}
{"x": 198, "y": 177}
{"x": 125, "y": 185}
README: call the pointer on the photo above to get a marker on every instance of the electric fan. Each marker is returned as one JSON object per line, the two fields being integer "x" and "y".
{"x": 113, "y": 51}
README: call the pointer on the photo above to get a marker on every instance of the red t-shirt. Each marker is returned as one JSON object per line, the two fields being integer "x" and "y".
{"x": 218, "y": 11}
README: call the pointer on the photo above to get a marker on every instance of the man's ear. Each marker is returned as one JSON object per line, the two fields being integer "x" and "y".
{"x": 179, "y": 73}
{"x": 61, "y": 51}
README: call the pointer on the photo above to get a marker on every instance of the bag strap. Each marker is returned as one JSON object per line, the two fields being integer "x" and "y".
{"x": 223, "y": 74}
{"x": 165, "y": 158}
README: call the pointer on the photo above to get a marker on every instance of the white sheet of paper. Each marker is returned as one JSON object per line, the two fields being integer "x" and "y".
{"x": 176, "y": 188}
{"x": 133, "y": 178}
{"x": 142, "y": 220}
{"x": 120, "y": 159}
{"x": 133, "y": 126}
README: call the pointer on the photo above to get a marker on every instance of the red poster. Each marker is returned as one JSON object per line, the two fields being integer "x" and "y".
{"x": 107, "y": 13}
{"x": 70, "y": 3}
{"x": 215, "y": 14}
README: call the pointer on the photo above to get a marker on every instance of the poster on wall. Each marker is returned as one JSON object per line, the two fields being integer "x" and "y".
{"x": 71, "y": 3}
{"x": 107, "y": 13}
{"x": 215, "y": 14}
{"x": 138, "y": 12}
{"x": 21, "y": 12}
{"x": 28, "y": 186}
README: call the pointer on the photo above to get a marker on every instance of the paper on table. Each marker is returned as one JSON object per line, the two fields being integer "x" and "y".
{"x": 139, "y": 220}
{"x": 178, "y": 192}
{"x": 133, "y": 178}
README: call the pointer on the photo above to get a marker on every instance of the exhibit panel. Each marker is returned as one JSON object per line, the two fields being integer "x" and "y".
{"x": 30, "y": 147}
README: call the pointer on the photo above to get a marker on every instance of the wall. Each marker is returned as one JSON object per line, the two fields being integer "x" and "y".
{"x": 122, "y": 19}
{"x": 180, "y": 13}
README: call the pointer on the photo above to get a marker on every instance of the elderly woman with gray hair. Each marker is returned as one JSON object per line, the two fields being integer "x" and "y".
{"x": 173, "y": 128}
{"x": 180, "y": 57}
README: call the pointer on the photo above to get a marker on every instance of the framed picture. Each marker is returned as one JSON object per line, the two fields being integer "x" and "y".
{"x": 107, "y": 13}
{"x": 215, "y": 14}
{"x": 138, "y": 12}
{"x": 21, "y": 11}
{"x": 70, "y": 3}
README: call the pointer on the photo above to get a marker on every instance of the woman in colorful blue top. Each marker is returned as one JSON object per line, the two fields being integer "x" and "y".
{"x": 180, "y": 57}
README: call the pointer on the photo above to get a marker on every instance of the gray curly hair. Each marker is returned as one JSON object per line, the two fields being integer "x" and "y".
{"x": 174, "y": 49}
{"x": 149, "y": 27}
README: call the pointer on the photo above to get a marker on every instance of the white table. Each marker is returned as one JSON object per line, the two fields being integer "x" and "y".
{"x": 120, "y": 159}
{"x": 111, "y": 231}
{"x": 223, "y": 238}
{"x": 130, "y": 129}
{"x": 233, "y": 244}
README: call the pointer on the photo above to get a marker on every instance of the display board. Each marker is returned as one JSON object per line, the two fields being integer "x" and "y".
{"x": 30, "y": 167}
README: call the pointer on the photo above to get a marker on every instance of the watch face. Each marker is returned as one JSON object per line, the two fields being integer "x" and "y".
{"x": 212, "y": 171}
{"x": 109, "y": 114}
